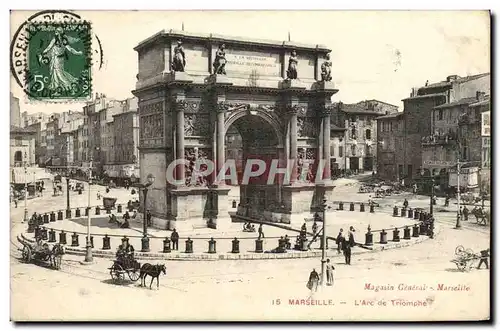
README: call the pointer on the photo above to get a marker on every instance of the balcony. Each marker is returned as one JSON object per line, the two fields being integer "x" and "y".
{"x": 445, "y": 139}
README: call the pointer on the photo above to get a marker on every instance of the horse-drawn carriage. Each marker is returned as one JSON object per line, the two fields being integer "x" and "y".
{"x": 125, "y": 266}
{"x": 42, "y": 253}
{"x": 465, "y": 259}
{"x": 482, "y": 216}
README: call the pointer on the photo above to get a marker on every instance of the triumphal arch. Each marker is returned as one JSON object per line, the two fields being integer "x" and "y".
{"x": 193, "y": 88}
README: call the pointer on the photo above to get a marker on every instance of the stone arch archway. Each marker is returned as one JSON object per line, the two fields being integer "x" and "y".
{"x": 262, "y": 139}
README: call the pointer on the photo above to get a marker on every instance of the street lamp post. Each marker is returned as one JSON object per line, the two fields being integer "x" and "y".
{"x": 88, "y": 253}
{"x": 25, "y": 188}
{"x": 323, "y": 244}
{"x": 144, "y": 187}
{"x": 68, "y": 209}
{"x": 458, "y": 225}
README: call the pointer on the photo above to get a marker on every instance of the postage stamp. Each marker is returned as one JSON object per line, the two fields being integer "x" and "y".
{"x": 59, "y": 61}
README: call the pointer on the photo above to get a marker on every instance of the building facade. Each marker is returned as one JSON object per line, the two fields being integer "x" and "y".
{"x": 390, "y": 142}
{"x": 15, "y": 111}
{"x": 360, "y": 135}
{"x": 22, "y": 147}
{"x": 430, "y": 130}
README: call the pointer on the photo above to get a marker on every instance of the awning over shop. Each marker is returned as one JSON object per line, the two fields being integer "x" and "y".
{"x": 31, "y": 175}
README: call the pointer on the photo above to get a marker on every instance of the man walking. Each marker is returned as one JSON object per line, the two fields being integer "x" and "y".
{"x": 485, "y": 254}
{"x": 466, "y": 213}
{"x": 174, "y": 237}
{"x": 340, "y": 240}
{"x": 329, "y": 273}
{"x": 312, "y": 284}
{"x": 348, "y": 244}
{"x": 261, "y": 232}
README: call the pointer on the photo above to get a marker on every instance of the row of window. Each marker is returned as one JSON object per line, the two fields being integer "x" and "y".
{"x": 354, "y": 135}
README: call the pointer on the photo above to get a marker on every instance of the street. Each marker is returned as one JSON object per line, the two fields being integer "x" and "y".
{"x": 267, "y": 289}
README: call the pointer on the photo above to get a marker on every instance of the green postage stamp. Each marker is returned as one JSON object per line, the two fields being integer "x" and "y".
{"x": 59, "y": 61}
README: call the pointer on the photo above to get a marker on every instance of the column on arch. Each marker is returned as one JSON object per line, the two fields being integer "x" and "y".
{"x": 325, "y": 113}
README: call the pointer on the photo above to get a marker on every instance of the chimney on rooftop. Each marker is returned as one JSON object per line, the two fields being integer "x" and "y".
{"x": 480, "y": 95}
{"x": 451, "y": 78}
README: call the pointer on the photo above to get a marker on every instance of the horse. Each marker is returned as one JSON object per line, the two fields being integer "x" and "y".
{"x": 154, "y": 271}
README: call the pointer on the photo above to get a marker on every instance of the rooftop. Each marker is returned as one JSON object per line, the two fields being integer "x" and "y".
{"x": 432, "y": 95}
{"x": 458, "y": 80}
{"x": 177, "y": 34}
{"x": 357, "y": 108}
{"x": 464, "y": 101}
{"x": 391, "y": 116}
{"x": 480, "y": 103}
{"x": 16, "y": 129}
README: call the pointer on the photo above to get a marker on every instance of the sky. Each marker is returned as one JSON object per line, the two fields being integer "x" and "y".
{"x": 375, "y": 54}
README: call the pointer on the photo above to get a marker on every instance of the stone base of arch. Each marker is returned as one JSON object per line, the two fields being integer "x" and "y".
{"x": 298, "y": 201}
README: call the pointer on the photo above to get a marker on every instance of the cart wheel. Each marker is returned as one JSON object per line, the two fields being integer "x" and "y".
{"x": 469, "y": 252}
{"x": 134, "y": 274}
{"x": 461, "y": 266}
{"x": 57, "y": 262}
{"x": 27, "y": 255}
{"x": 459, "y": 250}
{"x": 117, "y": 272}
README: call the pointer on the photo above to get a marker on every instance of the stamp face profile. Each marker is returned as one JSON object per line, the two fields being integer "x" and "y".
{"x": 58, "y": 61}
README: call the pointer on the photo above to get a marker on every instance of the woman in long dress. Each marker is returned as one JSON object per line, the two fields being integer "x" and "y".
{"x": 57, "y": 53}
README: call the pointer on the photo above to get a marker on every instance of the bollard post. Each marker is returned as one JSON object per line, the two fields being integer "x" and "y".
{"x": 45, "y": 218}
{"x": 423, "y": 229}
{"x": 119, "y": 209}
{"x": 106, "y": 244}
{"x": 236, "y": 246}
{"x": 362, "y": 207}
{"x": 416, "y": 231}
{"x": 372, "y": 208}
{"x": 422, "y": 216}
{"x": 166, "y": 246}
{"x": 407, "y": 234}
{"x": 383, "y": 237}
{"x": 68, "y": 213}
{"x": 62, "y": 238}
{"x": 145, "y": 243}
{"x": 43, "y": 232}
{"x": 258, "y": 246}
{"x": 395, "y": 235}
{"x": 369, "y": 237}
{"x": 74, "y": 240}
{"x": 52, "y": 236}
{"x": 351, "y": 206}
{"x": 59, "y": 215}
{"x": 189, "y": 245}
{"x": 91, "y": 240}
{"x": 341, "y": 205}
{"x": 403, "y": 212}
{"x": 211, "y": 246}
{"x": 410, "y": 213}
{"x": 395, "y": 211}
{"x": 37, "y": 231}
{"x": 78, "y": 212}
{"x": 31, "y": 227}
{"x": 53, "y": 217}
{"x": 97, "y": 210}
{"x": 416, "y": 214}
